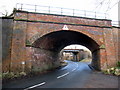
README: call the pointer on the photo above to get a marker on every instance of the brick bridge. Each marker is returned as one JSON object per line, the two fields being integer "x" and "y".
{"x": 34, "y": 40}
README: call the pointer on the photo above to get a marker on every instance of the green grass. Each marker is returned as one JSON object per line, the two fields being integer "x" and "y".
{"x": 63, "y": 63}
{"x": 86, "y": 60}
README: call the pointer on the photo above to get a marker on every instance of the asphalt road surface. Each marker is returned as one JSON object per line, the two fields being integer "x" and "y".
{"x": 74, "y": 75}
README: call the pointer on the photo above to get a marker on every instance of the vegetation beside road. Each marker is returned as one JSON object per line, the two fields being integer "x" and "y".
{"x": 110, "y": 71}
{"x": 11, "y": 75}
{"x": 86, "y": 60}
{"x": 113, "y": 70}
{"x": 63, "y": 63}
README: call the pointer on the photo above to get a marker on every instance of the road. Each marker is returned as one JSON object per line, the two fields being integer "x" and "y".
{"x": 74, "y": 75}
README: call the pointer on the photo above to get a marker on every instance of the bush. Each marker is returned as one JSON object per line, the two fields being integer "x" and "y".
{"x": 113, "y": 70}
{"x": 8, "y": 75}
{"x": 23, "y": 74}
{"x": 118, "y": 64}
{"x": 11, "y": 75}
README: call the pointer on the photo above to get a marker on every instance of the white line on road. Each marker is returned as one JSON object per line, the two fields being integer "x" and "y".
{"x": 35, "y": 86}
{"x": 76, "y": 64}
{"x": 74, "y": 69}
{"x": 63, "y": 75}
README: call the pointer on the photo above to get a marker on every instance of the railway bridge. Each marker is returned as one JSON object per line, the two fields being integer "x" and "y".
{"x": 32, "y": 41}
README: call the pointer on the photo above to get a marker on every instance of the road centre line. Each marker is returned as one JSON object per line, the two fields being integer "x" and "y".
{"x": 76, "y": 64}
{"x": 68, "y": 72}
{"x": 35, "y": 86}
{"x": 63, "y": 75}
{"x": 45, "y": 82}
{"x": 74, "y": 69}
{"x": 57, "y": 78}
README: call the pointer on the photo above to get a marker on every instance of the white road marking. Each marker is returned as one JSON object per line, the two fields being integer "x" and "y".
{"x": 76, "y": 64}
{"x": 57, "y": 77}
{"x": 35, "y": 86}
{"x": 74, "y": 69}
{"x": 63, "y": 75}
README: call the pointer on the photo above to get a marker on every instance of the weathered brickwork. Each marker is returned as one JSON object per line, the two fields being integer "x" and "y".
{"x": 37, "y": 30}
{"x": 18, "y": 47}
{"x": 45, "y": 32}
{"x": 7, "y": 29}
{"x": 116, "y": 40}
{"x": 110, "y": 47}
{"x": 59, "y": 19}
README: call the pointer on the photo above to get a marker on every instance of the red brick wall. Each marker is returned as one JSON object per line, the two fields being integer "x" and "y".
{"x": 61, "y": 19}
{"x": 7, "y": 29}
{"x": 18, "y": 51}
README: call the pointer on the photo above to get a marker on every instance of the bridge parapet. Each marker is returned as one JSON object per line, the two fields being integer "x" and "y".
{"x": 61, "y": 19}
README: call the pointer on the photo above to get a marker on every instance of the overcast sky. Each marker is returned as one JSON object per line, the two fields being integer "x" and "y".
{"x": 104, "y": 6}
{"x": 75, "y": 46}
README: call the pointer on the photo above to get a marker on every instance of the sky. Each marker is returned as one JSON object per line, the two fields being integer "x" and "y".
{"x": 76, "y": 46}
{"x": 103, "y": 6}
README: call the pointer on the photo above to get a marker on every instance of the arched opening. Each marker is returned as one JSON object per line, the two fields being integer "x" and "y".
{"x": 76, "y": 53}
{"x": 47, "y": 48}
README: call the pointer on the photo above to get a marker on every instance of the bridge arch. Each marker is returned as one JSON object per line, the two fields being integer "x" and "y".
{"x": 91, "y": 35}
{"x": 48, "y": 47}
{"x": 57, "y": 40}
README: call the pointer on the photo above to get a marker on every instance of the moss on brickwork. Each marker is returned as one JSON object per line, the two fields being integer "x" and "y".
{"x": 102, "y": 46}
{"x": 28, "y": 43}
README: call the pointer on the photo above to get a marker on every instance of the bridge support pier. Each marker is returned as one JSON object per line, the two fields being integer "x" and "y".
{"x": 75, "y": 58}
{"x": 103, "y": 59}
{"x": 95, "y": 60}
{"x": 99, "y": 61}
